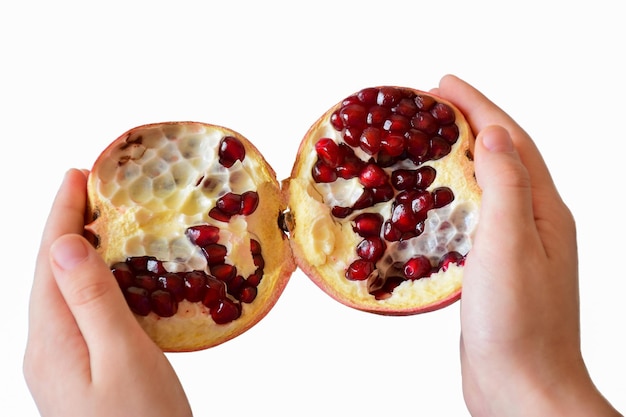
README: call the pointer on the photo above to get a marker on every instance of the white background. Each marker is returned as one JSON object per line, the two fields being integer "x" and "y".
{"x": 73, "y": 77}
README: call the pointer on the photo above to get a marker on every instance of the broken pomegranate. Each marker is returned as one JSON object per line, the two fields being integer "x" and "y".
{"x": 383, "y": 201}
{"x": 180, "y": 212}
{"x": 379, "y": 212}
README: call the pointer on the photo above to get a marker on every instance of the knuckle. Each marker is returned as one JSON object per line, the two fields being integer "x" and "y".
{"x": 89, "y": 293}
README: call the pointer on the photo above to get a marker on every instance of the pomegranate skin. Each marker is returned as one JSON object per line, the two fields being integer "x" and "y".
{"x": 127, "y": 219}
{"x": 324, "y": 244}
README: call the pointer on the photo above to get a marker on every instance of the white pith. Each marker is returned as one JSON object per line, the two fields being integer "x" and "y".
{"x": 157, "y": 189}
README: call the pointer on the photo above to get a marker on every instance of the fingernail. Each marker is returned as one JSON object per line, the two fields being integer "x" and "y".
{"x": 497, "y": 140}
{"x": 67, "y": 252}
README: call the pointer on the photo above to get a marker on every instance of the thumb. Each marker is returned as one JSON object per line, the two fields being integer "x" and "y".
{"x": 91, "y": 292}
{"x": 507, "y": 208}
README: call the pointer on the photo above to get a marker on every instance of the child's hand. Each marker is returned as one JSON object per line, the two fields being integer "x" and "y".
{"x": 86, "y": 353}
{"x": 520, "y": 343}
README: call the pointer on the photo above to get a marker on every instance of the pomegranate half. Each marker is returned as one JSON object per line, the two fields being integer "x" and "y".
{"x": 379, "y": 211}
{"x": 383, "y": 201}
{"x": 186, "y": 216}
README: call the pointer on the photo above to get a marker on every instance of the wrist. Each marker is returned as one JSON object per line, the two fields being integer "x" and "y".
{"x": 568, "y": 392}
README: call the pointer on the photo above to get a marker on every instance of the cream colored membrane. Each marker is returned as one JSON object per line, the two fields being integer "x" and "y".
{"x": 158, "y": 188}
{"x": 449, "y": 228}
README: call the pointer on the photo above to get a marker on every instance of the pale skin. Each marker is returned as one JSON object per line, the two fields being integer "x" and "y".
{"x": 520, "y": 342}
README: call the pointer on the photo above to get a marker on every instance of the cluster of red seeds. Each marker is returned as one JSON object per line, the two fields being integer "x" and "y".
{"x": 390, "y": 125}
{"x": 148, "y": 286}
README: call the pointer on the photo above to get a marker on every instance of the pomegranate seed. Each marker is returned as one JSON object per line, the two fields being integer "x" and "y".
{"x": 442, "y": 196}
{"x": 225, "y": 311}
{"x": 350, "y": 167}
{"x": 341, "y": 212}
{"x": 336, "y": 121}
{"x": 388, "y": 96}
{"x": 247, "y": 294}
{"x": 223, "y": 272}
{"x": 359, "y": 270}
{"x": 229, "y": 203}
{"x": 138, "y": 299}
{"x": 195, "y": 286}
{"x": 145, "y": 281}
{"x": 353, "y": 99}
{"x": 352, "y": 135}
{"x": 406, "y": 107}
{"x": 215, "y": 291}
{"x": 425, "y": 122}
{"x": 417, "y": 145}
{"x": 425, "y": 176}
{"x": 403, "y": 179}
{"x": 255, "y": 247}
{"x": 258, "y": 261}
{"x": 123, "y": 274}
{"x": 423, "y": 102}
{"x": 443, "y": 113}
{"x": 322, "y": 173}
{"x": 403, "y": 217}
{"x": 370, "y": 140}
{"x": 439, "y": 147}
{"x": 384, "y": 159}
{"x": 230, "y": 151}
{"x": 145, "y": 264}
{"x": 421, "y": 204}
{"x": 373, "y": 176}
{"x": 366, "y": 199}
{"x": 235, "y": 285}
{"x": 203, "y": 235}
{"x": 249, "y": 202}
{"x": 328, "y": 151}
{"x": 449, "y": 132}
{"x": 254, "y": 279}
{"x": 368, "y": 95}
{"x": 377, "y": 115}
{"x": 163, "y": 303}
{"x": 450, "y": 258}
{"x": 217, "y": 214}
{"x": 368, "y": 224}
{"x": 214, "y": 254}
{"x": 381, "y": 194}
{"x": 371, "y": 248}
{"x": 396, "y": 123}
{"x": 393, "y": 144}
{"x": 354, "y": 115}
{"x": 417, "y": 267}
{"x": 174, "y": 284}
{"x": 391, "y": 232}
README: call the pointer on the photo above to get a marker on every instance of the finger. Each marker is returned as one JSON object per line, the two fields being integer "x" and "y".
{"x": 93, "y": 295}
{"x": 507, "y": 194}
{"x": 52, "y": 331}
{"x": 48, "y": 313}
{"x": 481, "y": 112}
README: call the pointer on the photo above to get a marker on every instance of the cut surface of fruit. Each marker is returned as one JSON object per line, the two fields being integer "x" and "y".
{"x": 182, "y": 212}
{"x": 383, "y": 201}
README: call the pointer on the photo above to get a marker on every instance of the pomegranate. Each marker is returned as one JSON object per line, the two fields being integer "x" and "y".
{"x": 180, "y": 213}
{"x": 379, "y": 211}
{"x": 383, "y": 201}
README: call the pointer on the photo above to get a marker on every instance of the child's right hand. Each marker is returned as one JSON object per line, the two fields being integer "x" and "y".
{"x": 520, "y": 342}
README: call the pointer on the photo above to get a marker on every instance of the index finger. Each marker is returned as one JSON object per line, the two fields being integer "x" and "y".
{"x": 48, "y": 312}
{"x": 482, "y": 112}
